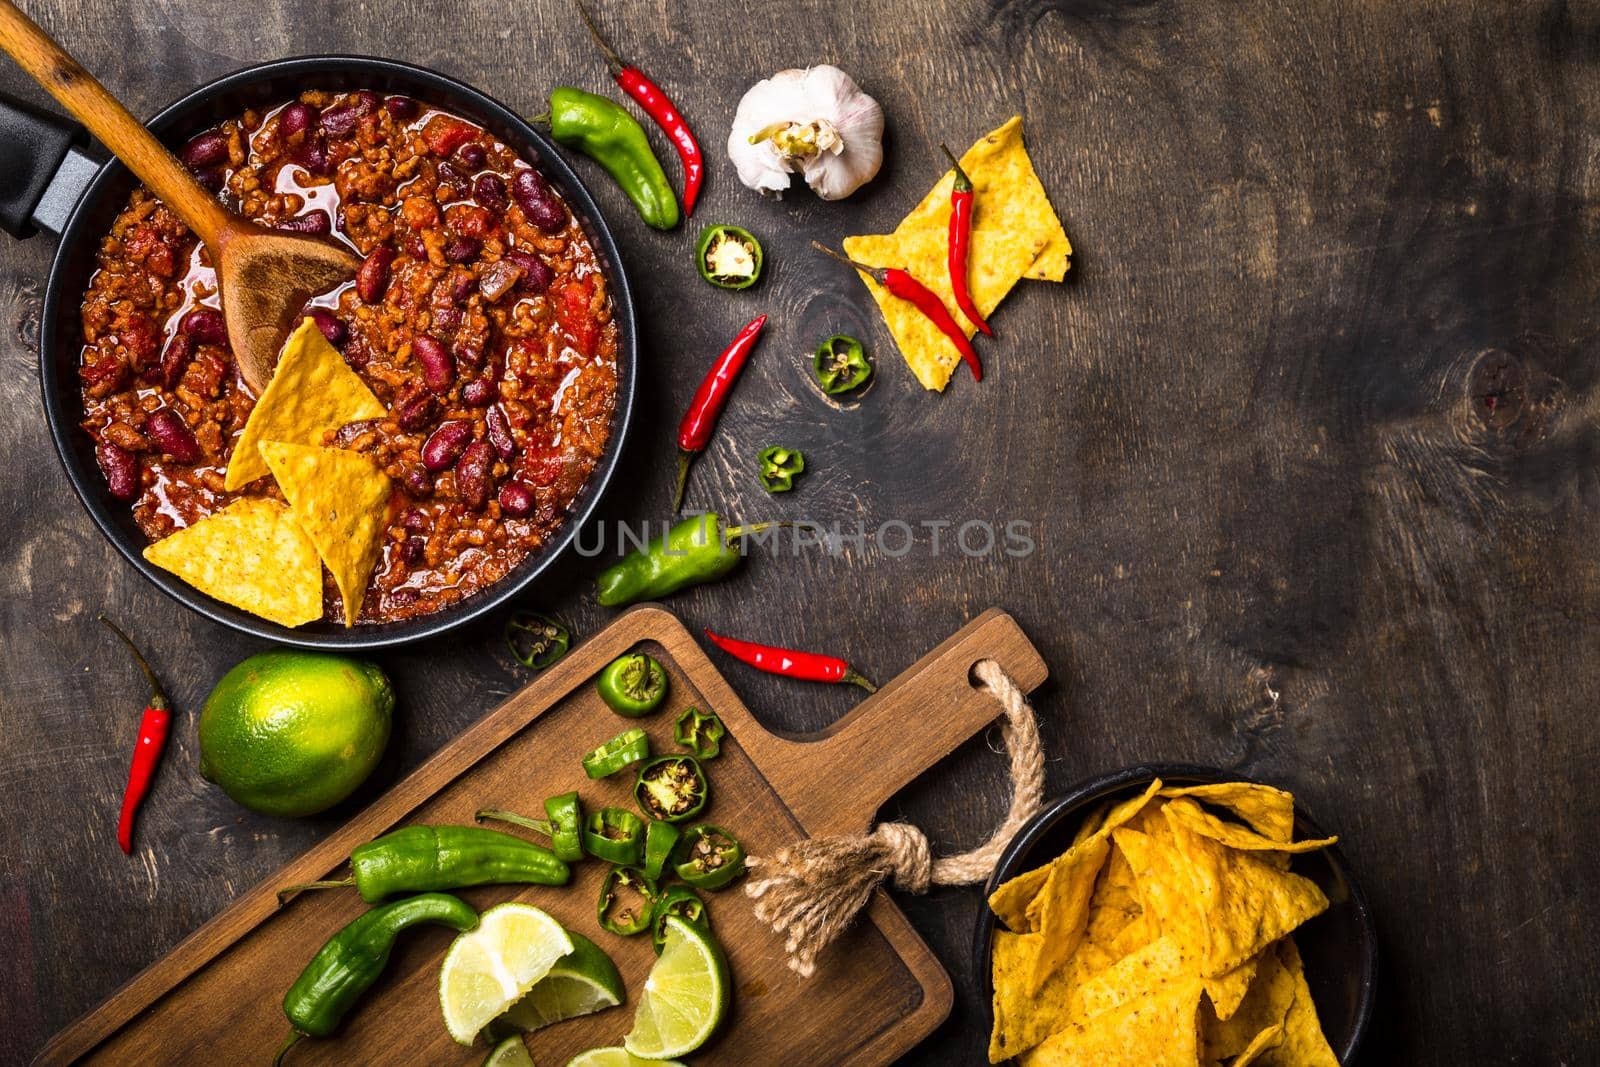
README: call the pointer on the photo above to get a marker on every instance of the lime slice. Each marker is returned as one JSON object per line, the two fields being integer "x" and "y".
{"x": 685, "y": 997}
{"x": 615, "y": 1057}
{"x": 582, "y": 982}
{"x": 509, "y": 1053}
{"x": 489, "y": 967}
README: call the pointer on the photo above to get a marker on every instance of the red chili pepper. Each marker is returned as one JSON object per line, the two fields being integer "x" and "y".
{"x": 147, "y": 748}
{"x": 808, "y": 666}
{"x": 694, "y": 432}
{"x": 960, "y": 236}
{"x": 903, "y": 285}
{"x": 659, "y": 106}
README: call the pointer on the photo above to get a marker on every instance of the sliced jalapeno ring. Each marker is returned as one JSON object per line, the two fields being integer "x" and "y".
{"x": 627, "y": 900}
{"x": 842, "y": 365}
{"x": 626, "y": 748}
{"x": 711, "y": 857}
{"x": 701, "y": 732}
{"x": 671, "y": 789}
{"x": 660, "y": 838}
{"x": 779, "y": 465}
{"x": 632, "y": 685}
{"x": 536, "y": 640}
{"x": 615, "y": 835}
{"x": 682, "y": 902}
{"x": 728, "y": 256}
{"x": 566, "y": 826}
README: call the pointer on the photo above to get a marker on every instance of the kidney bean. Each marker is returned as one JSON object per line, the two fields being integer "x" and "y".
{"x": 445, "y": 445}
{"x": 452, "y": 179}
{"x": 461, "y": 286}
{"x": 417, "y": 413}
{"x": 536, "y": 273}
{"x": 339, "y": 120}
{"x": 295, "y": 119}
{"x": 489, "y": 190}
{"x": 469, "y": 350}
{"x": 541, "y": 207}
{"x": 331, "y": 327}
{"x": 210, "y": 178}
{"x": 172, "y": 435}
{"x": 372, "y": 278}
{"x": 205, "y": 325}
{"x": 175, "y": 360}
{"x": 313, "y": 155}
{"x": 474, "y": 475}
{"x": 460, "y": 249}
{"x": 400, "y": 598}
{"x": 414, "y": 520}
{"x": 516, "y": 499}
{"x": 351, "y": 432}
{"x": 498, "y": 279}
{"x": 316, "y": 222}
{"x": 478, "y": 393}
{"x": 438, "y": 369}
{"x": 367, "y": 101}
{"x": 417, "y": 481}
{"x": 205, "y": 150}
{"x": 121, "y": 469}
{"x": 499, "y": 431}
{"x": 412, "y": 549}
{"x": 401, "y": 107}
{"x": 471, "y": 155}
{"x": 447, "y": 318}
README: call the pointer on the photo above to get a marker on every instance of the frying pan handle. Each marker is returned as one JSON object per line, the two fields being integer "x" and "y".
{"x": 45, "y": 172}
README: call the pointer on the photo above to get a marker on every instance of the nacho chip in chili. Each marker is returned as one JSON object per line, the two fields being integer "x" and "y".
{"x": 251, "y": 554}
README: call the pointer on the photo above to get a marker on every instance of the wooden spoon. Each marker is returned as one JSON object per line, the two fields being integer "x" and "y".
{"x": 263, "y": 276}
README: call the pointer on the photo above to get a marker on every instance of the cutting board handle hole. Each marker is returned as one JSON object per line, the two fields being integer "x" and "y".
{"x": 972, "y": 674}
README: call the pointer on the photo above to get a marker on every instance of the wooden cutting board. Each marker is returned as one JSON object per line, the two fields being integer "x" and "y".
{"x": 876, "y": 993}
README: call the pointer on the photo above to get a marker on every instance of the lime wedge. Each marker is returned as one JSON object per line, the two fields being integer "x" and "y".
{"x": 488, "y": 968}
{"x": 685, "y": 997}
{"x": 582, "y": 982}
{"x": 509, "y": 1053}
{"x": 615, "y": 1057}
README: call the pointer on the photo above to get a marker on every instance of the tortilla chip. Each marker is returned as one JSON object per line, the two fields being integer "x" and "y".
{"x": 1023, "y": 1019}
{"x": 1011, "y": 900}
{"x": 1269, "y": 810}
{"x": 1156, "y": 1030}
{"x": 1137, "y": 974}
{"x": 1199, "y": 821}
{"x": 312, "y": 391}
{"x": 1265, "y": 1006}
{"x": 1227, "y": 991}
{"x": 1268, "y": 1038}
{"x": 251, "y": 554}
{"x": 1303, "y": 1043}
{"x": 341, "y": 500}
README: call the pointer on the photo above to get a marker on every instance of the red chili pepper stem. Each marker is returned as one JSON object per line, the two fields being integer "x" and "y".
{"x": 152, "y": 738}
{"x": 879, "y": 275}
{"x": 963, "y": 183}
{"x": 959, "y": 242}
{"x": 613, "y": 60}
{"x": 791, "y": 663}
{"x": 853, "y": 678}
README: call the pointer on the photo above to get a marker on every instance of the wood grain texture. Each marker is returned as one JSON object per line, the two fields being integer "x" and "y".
{"x": 1278, "y": 526}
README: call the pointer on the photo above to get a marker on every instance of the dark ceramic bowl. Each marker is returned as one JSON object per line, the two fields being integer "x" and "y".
{"x": 1339, "y": 947}
{"x": 107, "y": 191}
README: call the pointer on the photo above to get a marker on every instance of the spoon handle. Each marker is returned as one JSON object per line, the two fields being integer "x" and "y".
{"x": 108, "y": 120}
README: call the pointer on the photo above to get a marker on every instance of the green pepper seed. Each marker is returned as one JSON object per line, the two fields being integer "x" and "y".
{"x": 728, "y": 257}
{"x": 779, "y": 466}
{"x": 842, "y": 365}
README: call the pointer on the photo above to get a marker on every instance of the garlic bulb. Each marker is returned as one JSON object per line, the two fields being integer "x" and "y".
{"x": 816, "y": 121}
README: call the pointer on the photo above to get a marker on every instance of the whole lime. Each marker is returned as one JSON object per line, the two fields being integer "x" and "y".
{"x": 293, "y": 733}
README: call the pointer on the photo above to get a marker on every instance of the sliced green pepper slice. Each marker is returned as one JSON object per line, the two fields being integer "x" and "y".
{"x": 682, "y": 902}
{"x": 712, "y": 857}
{"x": 626, "y": 748}
{"x": 671, "y": 789}
{"x": 701, "y": 732}
{"x": 627, "y": 900}
{"x": 564, "y": 826}
{"x": 779, "y": 465}
{"x": 728, "y": 256}
{"x": 632, "y": 685}
{"x": 536, "y": 640}
{"x": 660, "y": 838}
{"x": 615, "y": 835}
{"x": 841, "y": 364}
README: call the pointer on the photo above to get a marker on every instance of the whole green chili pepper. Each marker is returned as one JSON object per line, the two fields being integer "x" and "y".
{"x": 660, "y": 838}
{"x": 701, "y": 732}
{"x": 841, "y": 365}
{"x": 628, "y": 747}
{"x": 698, "y": 549}
{"x": 615, "y": 835}
{"x": 419, "y": 858}
{"x": 632, "y": 685}
{"x": 672, "y": 788}
{"x": 779, "y": 466}
{"x": 728, "y": 257}
{"x": 626, "y": 899}
{"x": 536, "y": 640}
{"x": 353, "y": 958}
{"x": 711, "y": 857}
{"x": 563, "y": 825}
{"x": 680, "y": 901}
{"x": 604, "y": 131}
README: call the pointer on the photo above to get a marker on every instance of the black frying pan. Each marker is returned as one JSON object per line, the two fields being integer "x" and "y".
{"x": 49, "y": 184}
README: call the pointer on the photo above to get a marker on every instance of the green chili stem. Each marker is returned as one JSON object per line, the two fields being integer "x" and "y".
{"x": 290, "y": 890}
{"x": 283, "y": 1049}
{"x": 536, "y": 825}
{"x": 853, "y": 678}
{"x": 685, "y": 459}
{"x": 733, "y": 533}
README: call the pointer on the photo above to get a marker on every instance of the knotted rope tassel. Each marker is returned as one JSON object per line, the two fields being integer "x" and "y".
{"x": 811, "y": 890}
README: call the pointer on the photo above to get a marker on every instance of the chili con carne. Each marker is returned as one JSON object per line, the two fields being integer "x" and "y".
{"x": 626, "y": 899}
{"x": 660, "y": 838}
{"x": 697, "y": 550}
{"x": 779, "y": 467}
{"x": 808, "y": 666}
{"x": 680, "y": 901}
{"x": 148, "y": 744}
{"x": 536, "y": 640}
{"x": 626, "y": 748}
{"x": 701, "y": 732}
{"x": 615, "y": 835}
{"x": 659, "y": 107}
{"x": 841, "y": 365}
{"x": 694, "y": 432}
{"x": 712, "y": 857}
{"x": 900, "y": 283}
{"x": 671, "y": 788}
{"x": 352, "y": 959}
{"x": 959, "y": 239}
{"x": 632, "y": 685}
{"x": 606, "y": 133}
{"x": 728, "y": 257}
{"x": 563, "y": 824}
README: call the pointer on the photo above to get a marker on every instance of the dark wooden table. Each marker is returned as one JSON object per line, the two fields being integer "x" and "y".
{"x": 1306, "y": 445}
